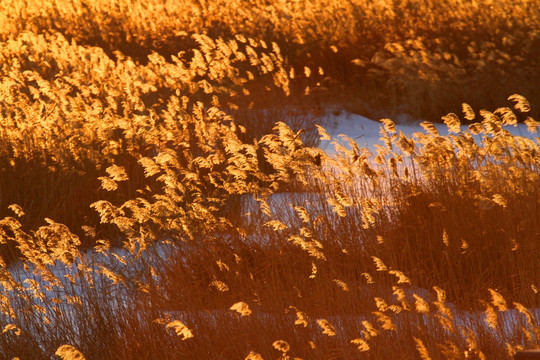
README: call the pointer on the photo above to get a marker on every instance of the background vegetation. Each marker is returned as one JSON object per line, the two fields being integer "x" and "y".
{"x": 162, "y": 194}
{"x": 420, "y": 57}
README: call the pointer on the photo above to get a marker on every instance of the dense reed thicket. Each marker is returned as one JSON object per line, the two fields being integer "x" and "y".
{"x": 420, "y": 57}
{"x": 162, "y": 195}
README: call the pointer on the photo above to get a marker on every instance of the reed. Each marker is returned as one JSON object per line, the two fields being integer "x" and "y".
{"x": 157, "y": 201}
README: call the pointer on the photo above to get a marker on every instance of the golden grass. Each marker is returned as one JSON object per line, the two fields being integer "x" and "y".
{"x": 422, "y": 57}
{"x": 123, "y": 230}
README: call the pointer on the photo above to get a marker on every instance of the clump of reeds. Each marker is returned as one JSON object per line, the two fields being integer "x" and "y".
{"x": 421, "y": 57}
{"x": 338, "y": 270}
{"x": 162, "y": 209}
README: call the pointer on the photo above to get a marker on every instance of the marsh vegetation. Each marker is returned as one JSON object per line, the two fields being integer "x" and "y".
{"x": 143, "y": 146}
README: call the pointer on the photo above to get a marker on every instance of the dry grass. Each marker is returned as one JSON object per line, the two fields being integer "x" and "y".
{"x": 422, "y": 57}
{"x": 142, "y": 206}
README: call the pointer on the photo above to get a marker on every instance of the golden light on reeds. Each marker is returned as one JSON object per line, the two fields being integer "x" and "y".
{"x": 180, "y": 329}
{"x": 134, "y": 144}
{"x": 68, "y": 352}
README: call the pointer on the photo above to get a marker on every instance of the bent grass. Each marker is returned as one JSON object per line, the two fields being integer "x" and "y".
{"x": 124, "y": 235}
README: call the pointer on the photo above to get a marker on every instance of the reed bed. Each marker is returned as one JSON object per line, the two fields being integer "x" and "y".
{"x": 420, "y": 57}
{"x": 157, "y": 201}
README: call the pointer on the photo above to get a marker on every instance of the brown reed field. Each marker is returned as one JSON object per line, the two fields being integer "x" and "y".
{"x": 163, "y": 195}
